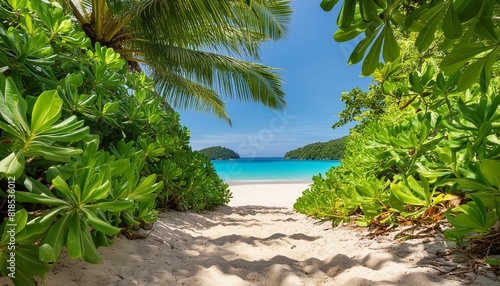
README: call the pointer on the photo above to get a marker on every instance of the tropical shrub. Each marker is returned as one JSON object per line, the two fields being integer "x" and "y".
{"x": 428, "y": 147}
{"x": 87, "y": 148}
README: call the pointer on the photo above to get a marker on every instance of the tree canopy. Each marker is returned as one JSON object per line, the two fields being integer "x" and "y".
{"x": 331, "y": 150}
{"x": 193, "y": 49}
{"x": 219, "y": 153}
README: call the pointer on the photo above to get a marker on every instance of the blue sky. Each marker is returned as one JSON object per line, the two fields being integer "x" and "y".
{"x": 315, "y": 73}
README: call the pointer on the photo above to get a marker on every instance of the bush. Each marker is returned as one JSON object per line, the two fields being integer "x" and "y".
{"x": 87, "y": 148}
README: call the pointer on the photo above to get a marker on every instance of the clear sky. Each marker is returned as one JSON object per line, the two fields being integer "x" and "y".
{"x": 315, "y": 73}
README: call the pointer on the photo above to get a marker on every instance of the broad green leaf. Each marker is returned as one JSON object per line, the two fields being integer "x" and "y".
{"x": 17, "y": 132}
{"x": 486, "y": 28}
{"x": 28, "y": 265}
{"x": 27, "y": 197}
{"x": 470, "y": 75}
{"x": 64, "y": 189}
{"x": 67, "y": 136}
{"x": 416, "y": 187}
{"x": 90, "y": 253}
{"x": 491, "y": 171}
{"x": 492, "y": 261}
{"x": 116, "y": 206}
{"x": 328, "y": 5}
{"x": 391, "y": 46}
{"x": 34, "y": 186}
{"x": 91, "y": 194}
{"x": 37, "y": 227}
{"x": 459, "y": 56}
{"x": 426, "y": 36}
{"x": 13, "y": 165}
{"x": 55, "y": 153}
{"x": 452, "y": 27}
{"x": 360, "y": 49}
{"x": 46, "y": 111}
{"x": 99, "y": 224}
{"x": 342, "y": 35}
{"x": 74, "y": 241}
{"x": 54, "y": 240}
{"x": 14, "y": 110}
{"x": 485, "y": 76}
{"x": 372, "y": 58}
{"x": 346, "y": 15}
{"x": 18, "y": 4}
{"x": 15, "y": 224}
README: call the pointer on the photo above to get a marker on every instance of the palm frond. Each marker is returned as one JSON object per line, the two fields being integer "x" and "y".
{"x": 181, "y": 92}
{"x": 269, "y": 18}
{"x": 233, "y": 78}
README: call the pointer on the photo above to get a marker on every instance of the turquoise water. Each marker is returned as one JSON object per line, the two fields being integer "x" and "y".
{"x": 271, "y": 169}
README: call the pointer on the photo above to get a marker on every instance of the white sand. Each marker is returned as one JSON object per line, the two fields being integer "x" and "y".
{"x": 257, "y": 241}
{"x": 266, "y": 193}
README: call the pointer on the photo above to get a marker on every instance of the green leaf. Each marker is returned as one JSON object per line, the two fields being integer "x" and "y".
{"x": 27, "y": 197}
{"x": 116, "y": 206}
{"x": 327, "y": 5}
{"x": 426, "y": 36}
{"x": 486, "y": 28}
{"x": 90, "y": 253}
{"x": 53, "y": 242}
{"x": 470, "y": 75}
{"x": 346, "y": 15}
{"x": 342, "y": 35}
{"x": 452, "y": 27}
{"x": 391, "y": 46}
{"x": 55, "y": 153}
{"x": 46, "y": 111}
{"x": 64, "y": 189}
{"x": 94, "y": 194}
{"x": 99, "y": 224}
{"x": 491, "y": 171}
{"x": 14, "y": 106}
{"x": 372, "y": 58}
{"x": 74, "y": 241}
{"x": 415, "y": 82}
{"x": 28, "y": 265}
{"x": 360, "y": 49}
{"x": 492, "y": 261}
{"x": 13, "y": 165}
{"x": 459, "y": 56}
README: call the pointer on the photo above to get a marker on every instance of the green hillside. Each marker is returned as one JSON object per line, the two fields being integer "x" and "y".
{"x": 331, "y": 150}
{"x": 219, "y": 153}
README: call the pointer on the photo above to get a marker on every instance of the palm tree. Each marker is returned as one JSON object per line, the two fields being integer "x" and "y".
{"x": 195, "y": 50}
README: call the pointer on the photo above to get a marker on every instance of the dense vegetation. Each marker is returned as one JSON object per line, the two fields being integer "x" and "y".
{"x": 331, "y": 150}
{"x": 219, "y": 153}
{"x": 428, "y": 149}
{"x": 86, "y": 148}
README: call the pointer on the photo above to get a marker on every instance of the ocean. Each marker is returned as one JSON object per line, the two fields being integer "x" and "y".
{"x": 264, "y": 169}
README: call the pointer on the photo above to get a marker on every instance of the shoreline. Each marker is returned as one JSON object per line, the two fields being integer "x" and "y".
{"x": 268, "y": 182}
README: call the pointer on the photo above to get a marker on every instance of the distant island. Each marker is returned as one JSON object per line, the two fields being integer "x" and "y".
{"x": 219, "y": 153}
{"x": 331, "y": 150}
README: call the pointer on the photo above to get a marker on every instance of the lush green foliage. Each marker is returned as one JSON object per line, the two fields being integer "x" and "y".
{"x": 429, "y": 145}
{"x": 331, "y": 150}
{"x": 219, "y": 153}
{"x": 86, "y": 150}
{"x": 193, "y": 48}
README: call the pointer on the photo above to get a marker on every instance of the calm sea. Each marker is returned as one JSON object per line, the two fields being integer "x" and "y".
{"x": 253, "y": 169}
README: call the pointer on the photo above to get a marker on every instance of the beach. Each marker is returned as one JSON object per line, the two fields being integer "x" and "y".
{"x": 259, "y": 240}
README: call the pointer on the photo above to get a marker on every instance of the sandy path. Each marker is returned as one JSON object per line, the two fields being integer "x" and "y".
{"x": 254, "y": 245}
{"x": 260, "y": 245}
